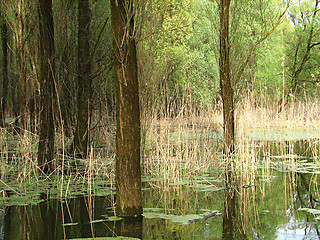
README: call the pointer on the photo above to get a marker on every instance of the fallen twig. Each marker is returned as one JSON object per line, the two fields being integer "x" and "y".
{"x": 204, "y": 218}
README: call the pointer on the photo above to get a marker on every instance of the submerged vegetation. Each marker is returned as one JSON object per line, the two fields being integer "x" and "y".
{"x": 183, "y": 176}
{"x": 172, "y": 121}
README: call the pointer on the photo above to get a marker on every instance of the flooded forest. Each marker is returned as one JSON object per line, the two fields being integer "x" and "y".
{"x": 171, "y": 119}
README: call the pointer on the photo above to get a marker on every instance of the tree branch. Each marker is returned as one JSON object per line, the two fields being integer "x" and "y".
{"x": 314, "y": 44}
{"x": 260, "y": 41}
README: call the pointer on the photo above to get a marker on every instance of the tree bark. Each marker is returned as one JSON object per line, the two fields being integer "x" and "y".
{"x": 22, "y": 69}
{"x": 81, "y": 138}
{"x": 225, "y": 79}
{"x": 128, "y": 171}
{"x": 229, "y": 214}
{"x": 4, "y": 40}
{"x": 47, "y": 69}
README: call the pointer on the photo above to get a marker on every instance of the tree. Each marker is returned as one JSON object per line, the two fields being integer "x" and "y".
{"x": 175, "y": 38}
{"x": 225, "y": 78}
{"x": 4, "y": 41}
{"x": 229, "y": 213}
{"x": 22, "y": 69}
{"x": 226, "y": 84}
{"x": 46, "y": 79}
{"x": 128, "y": 172}
{"x": 81, "y": 138}
{"x": 306, "y": 39}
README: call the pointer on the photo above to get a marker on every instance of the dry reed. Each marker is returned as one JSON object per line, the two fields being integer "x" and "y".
{"x": 175, "y": 146}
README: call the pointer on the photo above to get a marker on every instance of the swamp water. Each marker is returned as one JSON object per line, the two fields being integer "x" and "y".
{"x": 274, "y": 195}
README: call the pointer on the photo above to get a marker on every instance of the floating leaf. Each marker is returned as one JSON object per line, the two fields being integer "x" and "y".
{"x": 98, "y": 221}
{"x": 114, "y": 218}
{"x": 182, "y": 219}
{"x": 69, "y": 224}
{"x": 310, "y": 210}
{"x": 104, "y": 238}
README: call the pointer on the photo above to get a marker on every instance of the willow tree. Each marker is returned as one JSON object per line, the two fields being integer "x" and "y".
{"x": 225, "y": 78}
{"x": 4, "y": 41}
{"x": 22, "y": 67}
{"x": 128, "y": 172}
{"x": 226, "y": 84}
{"x": 81, "y": 138}
{"x": 46, "y": 80}
{"x": 304, "y": 50}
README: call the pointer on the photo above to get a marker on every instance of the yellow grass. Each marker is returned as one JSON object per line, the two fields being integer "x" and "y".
{"x": 173, "y": 147}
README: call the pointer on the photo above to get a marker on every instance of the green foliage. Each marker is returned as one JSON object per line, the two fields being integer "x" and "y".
{"x": 302, "y": 50}
{"x": 182, "y": 47}
{"x": 262, "y": 75}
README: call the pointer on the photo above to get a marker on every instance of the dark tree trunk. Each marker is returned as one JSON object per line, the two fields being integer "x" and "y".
{"x": 130, "y": 227}
{"x": 128, "y": 172}
{"x": 229, "y": 213}
{"x": 66, "y": 80}
{"x": 22, "y": 69}
{"x": 81, "y": 138}
{"x": 4, "y": 39}
{"x": 225, "y": 79}
{"x": 47, "y": 69}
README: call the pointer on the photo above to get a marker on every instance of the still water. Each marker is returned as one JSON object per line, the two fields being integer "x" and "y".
{"x": 280, "y": 200}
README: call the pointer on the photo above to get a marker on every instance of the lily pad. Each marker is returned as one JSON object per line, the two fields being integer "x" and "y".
{"x": 104, "y": 238}
{"x": 181, "y": 219}
{"x": 310, "y": 210}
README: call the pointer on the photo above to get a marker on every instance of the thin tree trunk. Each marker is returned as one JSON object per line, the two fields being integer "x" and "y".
{"x": 225, "y": 79}
{"x": 47, "y": 68}
{"x": 22, "y": 70}
{"x": 81, "y": 138}
{"x": 128, "y": 172}
{"x": 4, "y": 39}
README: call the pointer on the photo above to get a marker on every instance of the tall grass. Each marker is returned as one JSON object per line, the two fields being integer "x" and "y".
{"x": 175, "y": 145}
{"x": 296, "y": 114}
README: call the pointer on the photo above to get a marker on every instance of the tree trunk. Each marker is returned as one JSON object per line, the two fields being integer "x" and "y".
{"x": 47, "y": 69}
{"x": 128, "y": 172}
{"x": 225, "y": 79}
{"x": 229, "y": 214}
{"x": 66, "y": 80}
{"x": 4, "y": 39}
{"x": 81, "y": 138}
{"x": 22, "y": 69}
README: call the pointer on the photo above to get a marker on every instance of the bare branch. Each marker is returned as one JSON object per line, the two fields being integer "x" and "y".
{"x": 314, "y": 44}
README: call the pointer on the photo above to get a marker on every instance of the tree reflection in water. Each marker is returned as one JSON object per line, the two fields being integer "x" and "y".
{"x": 229, "y": 208}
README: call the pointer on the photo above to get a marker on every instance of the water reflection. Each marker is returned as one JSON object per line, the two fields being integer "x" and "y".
{"x": 229, "y": 213}
{"x": 130, "y": 227}
{"x": 268, "y": 211}
{"x": 56, "y": 219}
{"x": 283, "y": 204}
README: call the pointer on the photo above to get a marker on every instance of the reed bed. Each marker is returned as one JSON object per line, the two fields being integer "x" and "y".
{"x": 296, "y": 114}
{"x": 179, "y": 150}
{"x": 174, "y": 148}
{"x": 181, "y": 159}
